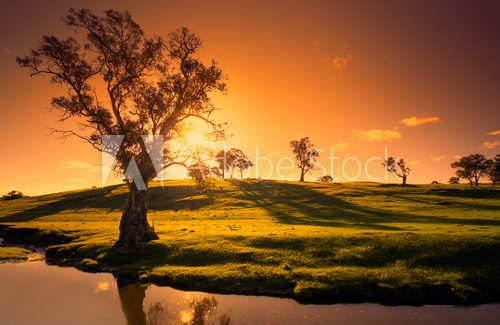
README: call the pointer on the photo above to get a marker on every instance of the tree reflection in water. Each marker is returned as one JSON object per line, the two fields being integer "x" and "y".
{"x": 201, "y": 311}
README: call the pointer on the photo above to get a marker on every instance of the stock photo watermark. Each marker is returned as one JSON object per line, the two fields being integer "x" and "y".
{"x": 349, "y": 168}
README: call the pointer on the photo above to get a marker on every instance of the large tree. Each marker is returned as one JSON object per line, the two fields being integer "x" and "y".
{"x": 305, "y": 155}
{"x": 119, "y": 81}
{"x": 398, "y": 168}
{"x": 471, "y": 168}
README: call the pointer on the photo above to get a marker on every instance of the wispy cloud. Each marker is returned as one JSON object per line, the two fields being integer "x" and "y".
{"x": 416, "y": 121}
{"x": 339, "y": 146}
{"x": 491, "y": 145}
{"x": 79, "y": 164}
{"x": 76, "y": 179}
{"x": 438, "y": 158}
{"x": 376, "y": 134}
{"x": 497, "y": 132}
{"x": 340, "y": 62}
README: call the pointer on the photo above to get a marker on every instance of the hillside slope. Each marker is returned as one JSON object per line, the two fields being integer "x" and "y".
{"x": 314, "y": 242}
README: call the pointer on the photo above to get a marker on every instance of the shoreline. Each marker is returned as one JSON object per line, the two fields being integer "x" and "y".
{"x": 348, "y": 293}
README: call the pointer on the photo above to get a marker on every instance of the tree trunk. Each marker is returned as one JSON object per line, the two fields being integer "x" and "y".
{"x": 132, "y": 298}
{"x": 241, "y": 174}
{"x": 301, "y": 175}
{"x": 232, "y": 171}
{"x": 476, "y": 180}
{"x": 134, "y": 227}
{"x": 404, "y": 180}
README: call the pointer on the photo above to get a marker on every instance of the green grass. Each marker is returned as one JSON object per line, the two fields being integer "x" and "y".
{"x": 14, "y": 253}
{"x": 316, "y": 242}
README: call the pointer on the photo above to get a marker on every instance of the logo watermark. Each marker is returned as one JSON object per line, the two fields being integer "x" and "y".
{"x": 348, "y": 168}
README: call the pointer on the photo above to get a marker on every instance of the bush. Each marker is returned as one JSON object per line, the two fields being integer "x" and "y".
{"x": 12, "y": 195}
{"x": 325, "y": 179}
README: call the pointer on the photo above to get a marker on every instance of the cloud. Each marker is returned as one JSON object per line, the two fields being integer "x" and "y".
{"x": 6, "y": 51}
{"x": 497, "y": 132}
{"x": 437, "y": 158}
{"x": 415, "y": 121}
{"x": 79, "y": 164}
{"x": 415, "y": 162}
{"x": 76, "y": 179}
{"x": 340, "y": 62}
{"x": 339, "y": 146}
{"x": 376, "y": 134}
{"x": 491, "y": 145}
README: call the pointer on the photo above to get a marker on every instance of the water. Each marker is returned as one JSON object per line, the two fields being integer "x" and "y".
{"x": 37, "y": 293}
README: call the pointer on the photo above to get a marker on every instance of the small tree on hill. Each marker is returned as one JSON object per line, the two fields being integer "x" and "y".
{"x": 493, "y": 171}
{"x": 325, "y": 179}
{"x": 202, "y": 174}
{"x": 243, "y": 163}
{"x": 227, "y": 160}
{"x": 471, "y": 168}
{"x": 12, "y": 195}
{"x": 398, "y": 168}
{"x": 305, "y": 155}
{"x": 454, "y": 180}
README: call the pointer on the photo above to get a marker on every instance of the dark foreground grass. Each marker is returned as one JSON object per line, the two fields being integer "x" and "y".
{"x": 314, "y": 242}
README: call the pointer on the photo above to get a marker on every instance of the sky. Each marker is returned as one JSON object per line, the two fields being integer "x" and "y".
{"x": 413, "y": 79}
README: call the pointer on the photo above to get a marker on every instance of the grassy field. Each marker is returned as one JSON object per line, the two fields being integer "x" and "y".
{"x": 314, "y": 242}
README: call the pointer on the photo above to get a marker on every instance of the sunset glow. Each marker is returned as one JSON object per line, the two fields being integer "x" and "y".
{"x": 364, "y": 76}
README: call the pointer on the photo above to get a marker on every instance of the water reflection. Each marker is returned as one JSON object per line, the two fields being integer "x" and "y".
{"x": 200, "y": 311}
{"x": 37, "y": 293}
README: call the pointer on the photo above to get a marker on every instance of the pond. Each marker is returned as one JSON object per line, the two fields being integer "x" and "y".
{"x": 37, "y": 293}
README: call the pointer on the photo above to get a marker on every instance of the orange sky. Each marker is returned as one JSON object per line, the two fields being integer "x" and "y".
{"x": 344, "y": 73}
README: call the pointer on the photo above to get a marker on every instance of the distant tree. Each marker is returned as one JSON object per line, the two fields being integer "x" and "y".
{"x": 12, "y": 195}
{"x": 220, "y": 158}
{"x": 435, "y": 182}
{"x": 398, "y": 168}
{"x": 227, "y": 160}
{"x": 243, "y": 163}
{"x": 202, "y": 174}
{"x": 471, "y": 168}
{"x": 493, "y": 171}
{"x": 325, "y": 179}
{"x": 454, "y": 180}
{"x": 305, "y": 155}
{"x": 119, "y": 81}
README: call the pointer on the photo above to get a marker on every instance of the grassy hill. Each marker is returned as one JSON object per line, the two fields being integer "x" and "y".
{"x": 314, "y": 242}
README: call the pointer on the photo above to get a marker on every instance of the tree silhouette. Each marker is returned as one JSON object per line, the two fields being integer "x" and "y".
{"x": 305, "y": 155}
{"x": 243, "y": 163}
{"x": 121, "y": 82}
{"x": 454, "y": 180}
{"x": 471, "y": 168}
{"x": 231, "y": 159}
{"x": 325, "y": 179}
{"x": 493, "y": 171}
{"x": 398, "y": 168}
{"x": 203, "y": 174}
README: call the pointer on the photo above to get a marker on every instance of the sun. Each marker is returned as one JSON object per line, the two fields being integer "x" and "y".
{"x": 194, "y": 138}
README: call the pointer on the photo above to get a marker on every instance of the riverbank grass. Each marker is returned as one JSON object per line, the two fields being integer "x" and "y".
{"x": 314, "y": 242}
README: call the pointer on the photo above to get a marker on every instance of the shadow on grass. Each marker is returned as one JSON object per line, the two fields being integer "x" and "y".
{"x": 168, "y": 198}
{"x": 303, "y": 205}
